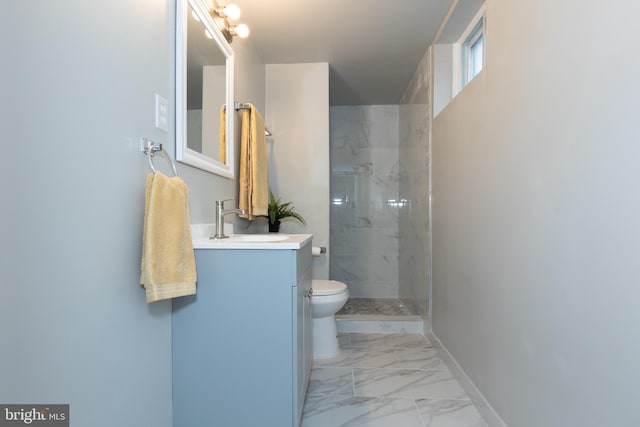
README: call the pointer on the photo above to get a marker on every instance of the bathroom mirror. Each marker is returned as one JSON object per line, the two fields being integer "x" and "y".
{"x": 204, "y": 85}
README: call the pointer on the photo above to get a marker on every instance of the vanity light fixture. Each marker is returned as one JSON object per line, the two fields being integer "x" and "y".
{"x": 222, "y": 15}
{"x": 231, "y": 12}
{"x": 241, "y": 31}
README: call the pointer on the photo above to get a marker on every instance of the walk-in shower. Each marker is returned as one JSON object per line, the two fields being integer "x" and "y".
{"x": 371, "y": 244}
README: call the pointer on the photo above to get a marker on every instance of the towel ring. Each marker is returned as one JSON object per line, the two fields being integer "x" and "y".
{"x": 150, "y": 148}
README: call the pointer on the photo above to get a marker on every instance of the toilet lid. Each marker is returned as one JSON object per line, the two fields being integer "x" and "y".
{"x": 328, "y": 287}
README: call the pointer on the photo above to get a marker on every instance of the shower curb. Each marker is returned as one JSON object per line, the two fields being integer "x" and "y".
{"x": 415, "y": 325}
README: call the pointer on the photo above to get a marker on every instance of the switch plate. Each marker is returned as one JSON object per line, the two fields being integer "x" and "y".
{"x": 162, "y": 113}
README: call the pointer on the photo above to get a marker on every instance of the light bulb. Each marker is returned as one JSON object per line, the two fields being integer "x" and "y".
{"x": 195, "y": 16}
{"x": 241, "y": 31}
{"x": 231, "y": 11}
{"x": 208, "y": 34}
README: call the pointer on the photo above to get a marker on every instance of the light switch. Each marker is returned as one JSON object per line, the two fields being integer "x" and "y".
{"x": 162, "y": 113}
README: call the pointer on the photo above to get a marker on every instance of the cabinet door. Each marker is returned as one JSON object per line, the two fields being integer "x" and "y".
{"x": 308, "y": 330}
{"x": 232, "y": 342}
{"x": 303, "y": 341}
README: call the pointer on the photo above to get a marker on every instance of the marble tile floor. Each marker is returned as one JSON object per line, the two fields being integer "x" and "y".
{"x": 387, "y": 380}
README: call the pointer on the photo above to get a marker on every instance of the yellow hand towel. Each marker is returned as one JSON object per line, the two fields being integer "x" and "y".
{"x": 168, "y": 263}
{"x": 254, "y": 194}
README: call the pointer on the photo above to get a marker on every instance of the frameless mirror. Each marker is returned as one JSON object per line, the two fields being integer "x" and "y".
{"x": 204, "y": 85}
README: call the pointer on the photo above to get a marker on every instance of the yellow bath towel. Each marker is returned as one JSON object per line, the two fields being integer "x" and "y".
{"x": 168, "y": 263}
{"x": 254, "y": 187}
{"x": 223, "y": 135}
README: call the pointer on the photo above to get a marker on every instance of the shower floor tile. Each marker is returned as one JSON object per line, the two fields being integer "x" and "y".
{"x": 375, "y": 306}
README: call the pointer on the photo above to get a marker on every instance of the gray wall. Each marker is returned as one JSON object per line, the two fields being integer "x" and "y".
{"x": 364, "y": 199}
{"x": 78, "y": 82}
{"x": 536, "y": 213}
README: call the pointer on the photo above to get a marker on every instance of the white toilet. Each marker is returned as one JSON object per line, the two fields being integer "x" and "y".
{"x": 327, "y": 298}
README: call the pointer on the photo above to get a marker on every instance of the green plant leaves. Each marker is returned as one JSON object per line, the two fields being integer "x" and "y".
{"x": 278, "y": 210}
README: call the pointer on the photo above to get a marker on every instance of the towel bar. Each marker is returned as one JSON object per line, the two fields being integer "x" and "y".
{"x": 149, "y": 148}
{"x": 241, "y": 106}
{"x": 238, "y": 106}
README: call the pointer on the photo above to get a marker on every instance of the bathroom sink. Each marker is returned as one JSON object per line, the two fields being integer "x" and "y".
{"x": 201, "y": 239}
{"x": 257, "y": 238}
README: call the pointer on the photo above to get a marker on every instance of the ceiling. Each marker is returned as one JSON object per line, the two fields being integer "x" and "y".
{"x": 372, "y": 46}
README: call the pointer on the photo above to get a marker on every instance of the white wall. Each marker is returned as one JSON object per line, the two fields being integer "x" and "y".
{"x": 79, "y": 80}
{"x": 536, "y": 215}
{"x": 297, "y": 113}
{"x": 442, "y": 76}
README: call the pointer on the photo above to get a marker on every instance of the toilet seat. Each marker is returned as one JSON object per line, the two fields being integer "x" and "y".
{"x": 327, "y": 287}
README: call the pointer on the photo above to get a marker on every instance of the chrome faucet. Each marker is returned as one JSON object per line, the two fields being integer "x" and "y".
{"x": 220, "y": 214}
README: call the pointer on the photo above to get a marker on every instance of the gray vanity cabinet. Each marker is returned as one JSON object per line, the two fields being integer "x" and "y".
{"x": 242, "y": 345}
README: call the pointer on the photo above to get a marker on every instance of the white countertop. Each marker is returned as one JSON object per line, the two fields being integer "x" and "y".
{"x": 255, "y": 241}
{"x": 200, "y": 234}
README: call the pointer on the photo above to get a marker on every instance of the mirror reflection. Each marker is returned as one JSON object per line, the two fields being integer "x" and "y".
{"x": 206, "y": 81}
{"x": 204, "y": 84}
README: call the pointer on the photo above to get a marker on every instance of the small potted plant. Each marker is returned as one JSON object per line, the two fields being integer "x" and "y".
{"x": 278, "y": 210}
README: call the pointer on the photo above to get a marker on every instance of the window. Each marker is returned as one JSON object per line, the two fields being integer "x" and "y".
{"x": 473, "y": 53}
{"x": 470, "y": 51}
{"x": 459, "y": 51}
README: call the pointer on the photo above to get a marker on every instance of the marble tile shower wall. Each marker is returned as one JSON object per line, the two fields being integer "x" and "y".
{"x": 414, "y": 247}
{"x": 364, "y": 230}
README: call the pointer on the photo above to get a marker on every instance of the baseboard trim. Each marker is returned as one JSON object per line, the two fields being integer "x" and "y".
{"x": 484, "y": 408}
